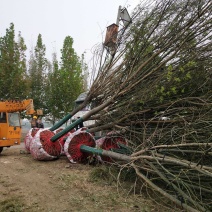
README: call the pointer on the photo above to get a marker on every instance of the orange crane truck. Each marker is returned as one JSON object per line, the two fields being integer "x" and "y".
{"x": 10, "y": 122}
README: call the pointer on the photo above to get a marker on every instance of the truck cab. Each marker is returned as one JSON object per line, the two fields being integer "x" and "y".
{"x": 10, "y": 129}
{"x": 10, "y": 124}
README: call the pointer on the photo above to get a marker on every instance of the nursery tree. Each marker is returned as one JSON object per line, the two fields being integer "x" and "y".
{"x": 38, "y": 66}
{"x": 12, "y": 65}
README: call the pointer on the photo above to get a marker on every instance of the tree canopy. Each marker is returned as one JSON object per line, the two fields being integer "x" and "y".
{"x": 12, "y": 65}
{"x": 53, "y": 85}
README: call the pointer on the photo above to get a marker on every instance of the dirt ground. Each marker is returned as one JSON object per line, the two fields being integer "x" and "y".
{"x": 30, "y": 185}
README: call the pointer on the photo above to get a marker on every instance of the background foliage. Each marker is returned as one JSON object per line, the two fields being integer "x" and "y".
{"x": 52, "y": 85}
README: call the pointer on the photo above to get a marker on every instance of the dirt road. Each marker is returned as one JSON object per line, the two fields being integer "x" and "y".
{"x": 30, "y": 185}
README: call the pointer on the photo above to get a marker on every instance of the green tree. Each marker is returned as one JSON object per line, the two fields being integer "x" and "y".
{"x": 22, "y": 66}
{"x": 38, "y": 66}
{"x": 65, "y": 82}
{"x": 53, "y": 83}
{"x": 12, "y": 65}
{"x": 70, "y": 74}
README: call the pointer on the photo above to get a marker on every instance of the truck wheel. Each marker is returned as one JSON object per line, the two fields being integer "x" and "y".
{"x": 1, "y": 148}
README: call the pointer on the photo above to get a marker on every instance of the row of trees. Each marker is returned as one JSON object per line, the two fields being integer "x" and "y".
{"x": 53, "y": 85}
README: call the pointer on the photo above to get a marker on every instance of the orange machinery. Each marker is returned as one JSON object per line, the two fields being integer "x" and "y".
{"x": 10, "y": 124}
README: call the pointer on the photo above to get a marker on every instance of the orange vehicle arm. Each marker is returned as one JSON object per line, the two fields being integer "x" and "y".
{"x": 17, "y": 106}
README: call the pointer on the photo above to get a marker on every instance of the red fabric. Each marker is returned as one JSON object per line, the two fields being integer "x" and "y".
{"x": 42, "y": 148}
{"x": 112, "y": 143}
{"x": 62, "y": 139}
{"x": 73, "y": 143}
{"x": 52, "y": 148}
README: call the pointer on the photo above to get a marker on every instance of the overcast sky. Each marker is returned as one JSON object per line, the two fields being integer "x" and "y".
{"x": 84, "y": 20}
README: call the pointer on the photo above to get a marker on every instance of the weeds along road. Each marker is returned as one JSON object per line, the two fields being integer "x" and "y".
{"x": 30, "y": 185}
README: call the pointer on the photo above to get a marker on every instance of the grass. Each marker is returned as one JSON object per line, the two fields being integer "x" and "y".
{"x": 96, "y": 190}
{"x": 12, "y": 204}
{"x": 102, "y": 174}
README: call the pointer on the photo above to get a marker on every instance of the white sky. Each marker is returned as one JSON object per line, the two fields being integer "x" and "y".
{"x": 84, "y": 20}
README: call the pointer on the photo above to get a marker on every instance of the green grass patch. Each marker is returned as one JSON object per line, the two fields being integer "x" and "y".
{"x": 11, "y": 205}
{"x": 103, "y": 174}
{"x": 110, "y": 174}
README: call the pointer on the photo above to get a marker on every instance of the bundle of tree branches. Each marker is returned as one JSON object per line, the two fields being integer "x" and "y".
{"x": 156, "y": 92}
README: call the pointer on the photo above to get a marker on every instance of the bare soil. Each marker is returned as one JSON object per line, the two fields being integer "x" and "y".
{"x": 30, "y": 185}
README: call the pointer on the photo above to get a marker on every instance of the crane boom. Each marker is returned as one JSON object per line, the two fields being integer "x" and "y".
{"x": 17, "y": 106}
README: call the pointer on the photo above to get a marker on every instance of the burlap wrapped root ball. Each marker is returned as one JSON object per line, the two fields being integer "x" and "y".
{"x": 42, "y": 148}
{"x": 29, "y": 137}
{"x": 109, "y": 142}
{"x": 73, "y": 143}
{"x": 63, "y": 138}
